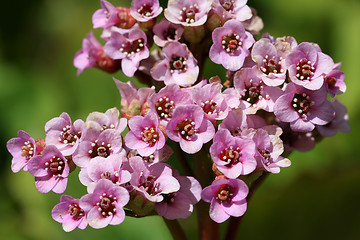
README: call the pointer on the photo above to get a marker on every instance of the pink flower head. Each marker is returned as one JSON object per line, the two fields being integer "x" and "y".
{"x": 190, "y": 128}
{"x": 105, "y": 204}
{"x": 22, "y": 148}
{"x": 145, "y": 135}
{"x": 107, "y": 16}
{"x": 232, "y": 9}
{"x": 166, "y": 31}
{"x": 108, "y": 120}
{"x": 145, "y": 10}
{"x": 188, "y": 12}
{"x": 66, "y": 136}
{"x": 233, "y": 156}
{"x": 334, "y": 81}
{"x": 180, "y": 204}
{"x": 270, "y": 62}
{"x": 69, "y": 213}
{"x": 211, "y": 100}
{"x": 299, "y": 141}
{"x": 51, "y": 170}
{"x": 161, "y": 155}
{"x": 130, "y": 47}
{"x": 339, "y": 124}
{"x": 231, "y": 45}
{"x": 227, "y": 197}
{"x": 303, "y": 108}
{"x": 152, "y": 181}
{"x": 179, "y": 66}
{"x": 165, "y": 101}
{"x": 307, "y": 64}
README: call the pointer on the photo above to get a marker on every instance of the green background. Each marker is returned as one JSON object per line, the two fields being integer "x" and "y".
{"x": 317, "y": 197}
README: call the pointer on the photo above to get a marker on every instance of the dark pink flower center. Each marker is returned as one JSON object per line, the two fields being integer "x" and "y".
{"x": 170, "y": 33}
{"x": 301, "y": 103}
{"x": 75, "y": 211}
{"x": 331, "y": 81}
{"x": 164, "y": 107}
{"x": 177, "y": 63}
{"x": 169, "y": 198}
{"x": 228, "y": 5}
{"x": 224, "y": 193}
{"x": 27, "y": 151}
{"x": 271, "y": 65}
{"x": 304, "y": 69}
{"x": 55, "y": 166}
{"x": 252, "y": 94}
{"x": 187, "y": 14}
{"x": 230, "y": 43}
{"x": 186, "y": 128}
{"x": 112, "y": 177}
{"x": 67, "y": 136}
{"x": 266, "y": 154}
{"x": 101, "y": 150}
{"x": 145, "y": 10}
{"x": 150, "y": 135}
{"x": 149, "y": 184}
{"x": 131, "y": 48}
{"x": 209, "y": 107}
{"x": 230, "y": 155}
{"x": 106, "y": 205}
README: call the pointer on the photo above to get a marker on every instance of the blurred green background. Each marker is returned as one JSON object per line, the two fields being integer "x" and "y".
{"x": 317, "y": 197}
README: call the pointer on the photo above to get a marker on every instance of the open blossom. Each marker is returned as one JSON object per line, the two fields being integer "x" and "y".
{"x": 166, "y": 31}
{"x": 51, "y": 170}
{"x": 108, "y": 120}
{"x": 130, "y": 47}
{"x": 63, "y": 134}
{"x": 105, "y": 204}
{"x": 188, "y": 13}
{"x": 145, "y": 10}
{"x": 69, "y": 213}
{"x": 334, "y": 81}
{"x": 303, "y": 108}
{"x": 179, "y": 66}
{"x": 231, "y": 45}
{"x": 161, "y": 155}
{"x": 190, "y": 128}
{"x": 227, "y": 197}
{"x": 232, "y": 9}
{"x": 145, "y": 135}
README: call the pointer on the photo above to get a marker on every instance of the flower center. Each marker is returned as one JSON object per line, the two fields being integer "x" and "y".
{"x": 170, "y": 33}
{"x": 164, "y": 107}
{"x": 75, "y": 211}
{"x": 169, "y": 198}
{"x": 230, "y": 155}
{"x": 150, "y": 135}
{"x": 209, "y": 107}
{"x": 252, "y": 94}
{"x": 145, "y": 10}
{"x": 266, "y": 154}
{"x": 27, "y": 151}
{"x": 228, "y": 5}
{"x": 301, "y": 103}
{"x": 130, "y": 48}
{"x": 230, "y": 43}
{"x": 331, "y": 81}
{"x": 187, "y": 14}
{"x": 114, "y": 178}
{"x": 304, "y": 69}
{"x": 101, "y": 150}
{"x": 106, "y": 205}
{"x": 270, "y": 65}
{"x": 186, "y": 128}
{"x": 177, "y": 63}
{"x": 67, "y": 137}
{"x": 224, "y": 193}
{"x": 55, "y": 166}
{"x": 149, "y": 184}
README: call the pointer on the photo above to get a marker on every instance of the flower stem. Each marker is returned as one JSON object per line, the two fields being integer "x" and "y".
{"x": 175, "y": 229}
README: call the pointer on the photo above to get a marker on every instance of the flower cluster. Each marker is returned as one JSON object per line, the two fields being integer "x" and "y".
{"x": 274, "y": 101}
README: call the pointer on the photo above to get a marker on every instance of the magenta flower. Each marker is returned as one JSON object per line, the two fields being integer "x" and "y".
{"x": 232, "y": 9}
{"x": 179, "y": 66}
{"x": 66, "y": 136}
{"x": 152, "y": 181}
{"x": 190, "y": 128}
{"x": 334, "y": 81}
{"x": 105, "y": 204}
{"x": 69, "y": 213}
{"x": 145, "y": 135}
{"x": 22, "y": 148}
{"x": 130, "y": 47}
{"x": 108, "y": 120}
{"x": 231, "y": 45}
{"x": 51, "y": 170}
{"x": 233, "y": 156}
{"x": 227, "y": 197}
{"x": 303, "y": 108}
{"x": 161, "y": 155}
{"x": 180, "y": 204}
{"x": 188, "y": 13}
{"x": 145, "y": 10}
{"x": 307, "y": 64}
{"x": 107, "y": 16}
{"x": 166, "y": 31}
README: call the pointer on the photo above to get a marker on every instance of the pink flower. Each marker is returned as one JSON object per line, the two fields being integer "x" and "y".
{"x": 69, "y": 213}
{"x": 166, "y": 31}
{"x": 108, "y": 120}
{"x": 227, "y": 197}
{"x": 145, "y": 10}
{"x": 334, "y": 81}
{"x": 107, "y": 16}
{"x": 232, "y": 9}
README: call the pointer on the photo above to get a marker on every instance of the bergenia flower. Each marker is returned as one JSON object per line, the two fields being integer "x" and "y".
{"x": 69, "y": 213}
{"x": 231, "y": 45}
{"x": 107, "y": 16}
{"x": 145, "y": 135}
{"x": 232, "y": 9}
{"x": 51, "y": 170}
{"x": 130, "y": 47}
{"x": 303, "y": 108}
{"x": 166, "y": 31}
{"x": 63, "y": 134}
{"x": 108, "y": 120}
{"x": 188, "y": 13}
{"x": 227, "y": 197}
{"x": 334, "y": 81}
{"x": 161, "y": 155}
{"x": 22, "y": 148}
{"x": 145, "y": 10}
{"x": 307, "y": 64}
{"x": 105, "y": 204}
{"x": 233, "y": 156}
{"x": 190, "y": 128}
{"x": 179, "y": 66}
